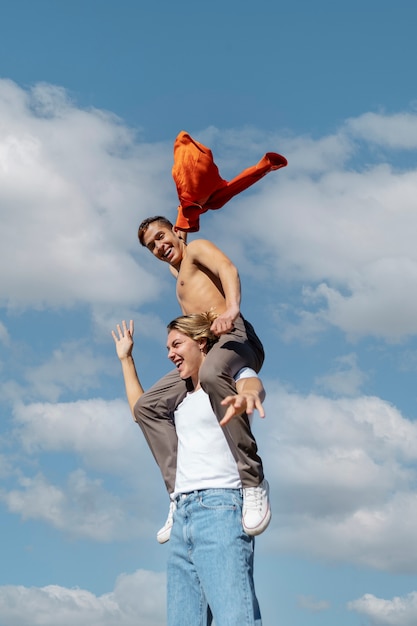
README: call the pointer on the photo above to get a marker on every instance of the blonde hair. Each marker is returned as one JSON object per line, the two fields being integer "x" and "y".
{"x": 196, "y": 326}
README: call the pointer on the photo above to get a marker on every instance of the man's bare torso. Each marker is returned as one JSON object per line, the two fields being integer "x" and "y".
{"x": 198, "y": 289}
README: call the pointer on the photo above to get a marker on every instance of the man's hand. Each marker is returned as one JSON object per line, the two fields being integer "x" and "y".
{"x": 224, "y": 323}
{"x": 124, "y": 339}
{"x": 245, "y": 402}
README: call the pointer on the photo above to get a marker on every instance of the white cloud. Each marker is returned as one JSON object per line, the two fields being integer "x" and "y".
{"x": 82, "y": 508}
{"x": 400, "y": 611}
{"x": 343, "y": 474}
{"x": 71, "y": 367}
{"x": 397, "y": 131}
{"x": 346, "y": 379}
{"x": 102, "y": 433}
{"x": 368, "y": 306}
{"x": 89, "y": 435}
{"x": 309, "y": 157}
{"x": 137, "y": 598}
{"x": 74, "y": 185}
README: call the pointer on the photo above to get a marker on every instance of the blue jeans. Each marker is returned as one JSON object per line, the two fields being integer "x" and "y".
{"x": 210, "y": 566}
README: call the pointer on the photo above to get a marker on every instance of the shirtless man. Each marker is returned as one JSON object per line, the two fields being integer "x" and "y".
{"x": 207, "y": 280}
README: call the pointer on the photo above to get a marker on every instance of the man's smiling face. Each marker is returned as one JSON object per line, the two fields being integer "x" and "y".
{"x": 163, "y": 243}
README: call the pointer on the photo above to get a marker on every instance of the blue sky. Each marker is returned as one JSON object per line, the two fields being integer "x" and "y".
{"x": 92, "y": 95}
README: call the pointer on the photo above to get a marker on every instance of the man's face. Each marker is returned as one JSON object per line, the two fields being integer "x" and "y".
{"x": 185, "y": 353}
{"x": 163, "y": 243}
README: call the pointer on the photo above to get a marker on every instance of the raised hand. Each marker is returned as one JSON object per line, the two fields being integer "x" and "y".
{"x": 123, "y": 339}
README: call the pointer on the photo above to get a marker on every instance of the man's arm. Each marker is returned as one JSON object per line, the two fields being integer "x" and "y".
{"x": 204, "y": 253}
{"x": 250, "y": 395}
{"x": 124, "y": 346}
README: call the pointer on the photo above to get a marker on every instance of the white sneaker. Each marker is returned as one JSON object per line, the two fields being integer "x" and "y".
{"x": 164, "y": 533}
{"x": 256, "y": 513}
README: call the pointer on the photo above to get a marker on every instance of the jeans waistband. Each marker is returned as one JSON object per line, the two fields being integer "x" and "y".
{"x": 182, "y": 496}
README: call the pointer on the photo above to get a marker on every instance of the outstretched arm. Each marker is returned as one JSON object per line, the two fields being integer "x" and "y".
{"x": 124, "y": 346}
{"x": 250, "y": 395}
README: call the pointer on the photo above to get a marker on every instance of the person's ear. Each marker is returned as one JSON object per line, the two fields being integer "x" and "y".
{"x": 179, "y": 233}
{"x": 202, "y": 344}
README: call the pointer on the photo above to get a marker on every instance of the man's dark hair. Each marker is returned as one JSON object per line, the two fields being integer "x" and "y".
{"x": 143, "y": 227}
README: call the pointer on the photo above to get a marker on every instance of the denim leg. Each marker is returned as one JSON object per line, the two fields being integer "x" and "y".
{"x": 186, "y": 602}
{"x": 216, "y": 564}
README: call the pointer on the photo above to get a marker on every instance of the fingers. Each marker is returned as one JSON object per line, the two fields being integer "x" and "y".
{"x": 230, "y": 400}
{"x": 227, "y": 416}
{"x": 221, "y": 326}
{"x": 259, "y": 406}
{"x": 237, "y": 405}
{"x": 123, "y": 331}
{"x": 231, "y": 410}
{"x": 126, "y": 330}
{"x": 241, "y": 403}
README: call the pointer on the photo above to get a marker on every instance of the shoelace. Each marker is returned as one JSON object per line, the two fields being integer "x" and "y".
{"x": 253, "y": 498}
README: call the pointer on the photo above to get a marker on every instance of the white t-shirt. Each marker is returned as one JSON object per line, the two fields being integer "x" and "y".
{"x": 204, "y": 459}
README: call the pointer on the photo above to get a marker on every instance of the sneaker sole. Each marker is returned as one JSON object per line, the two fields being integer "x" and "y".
{"x": 258, "y": 530}
{"x": 163, "y": 537}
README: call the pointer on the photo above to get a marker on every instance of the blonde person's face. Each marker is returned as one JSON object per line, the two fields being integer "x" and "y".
{"x": 185, "y": 353}
{"x": 163, "y": 243}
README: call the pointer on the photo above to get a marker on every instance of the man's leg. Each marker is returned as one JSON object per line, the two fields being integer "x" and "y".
{"x": 154, "y": 413}
{"x": 222, "y": 555}
{"x": 235, "y": 350}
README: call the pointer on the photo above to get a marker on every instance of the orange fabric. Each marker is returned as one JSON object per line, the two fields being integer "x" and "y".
{"x": 199, "y": 184}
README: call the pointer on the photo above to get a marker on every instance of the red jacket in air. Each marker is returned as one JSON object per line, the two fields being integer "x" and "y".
{"x": 199, "y": 184}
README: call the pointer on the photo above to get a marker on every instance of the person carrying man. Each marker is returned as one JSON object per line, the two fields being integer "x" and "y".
{"x": 210, "y": 562}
